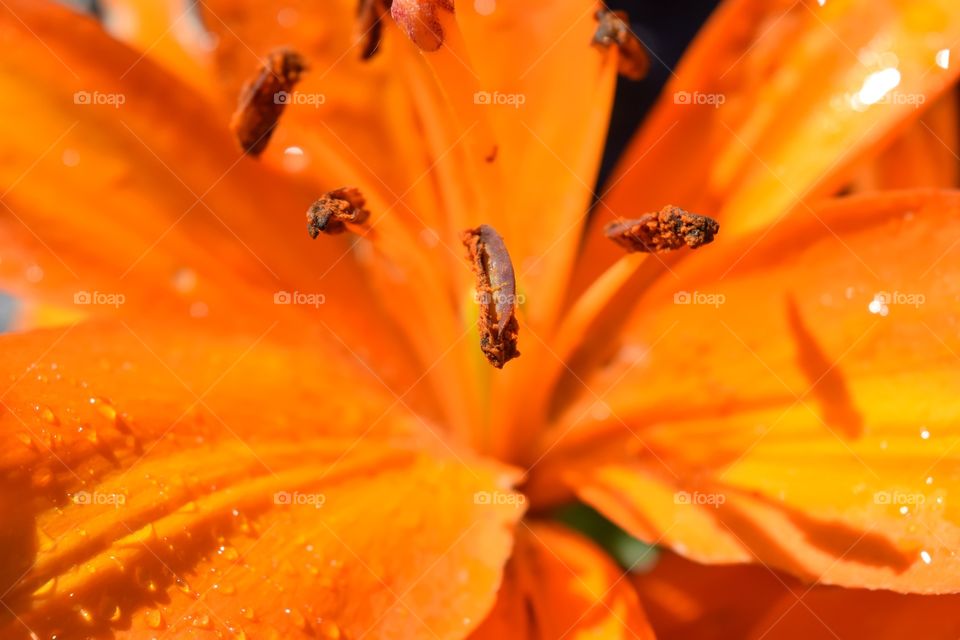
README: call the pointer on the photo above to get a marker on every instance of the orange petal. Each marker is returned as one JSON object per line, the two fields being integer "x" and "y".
{"x": 688, "y": 600}
{"x": 150, "y": 485}
{"x": 152, "y": 200}
{"x": 803, "y": 384}
{"x": 924, "y": 155}
{"x": 698, "y": 602}
{"x": 168, "y": 32}
{"x": 558, "y": 584}
{"x": 769, "y": 107}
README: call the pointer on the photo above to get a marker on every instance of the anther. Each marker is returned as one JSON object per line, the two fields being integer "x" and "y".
{"x": 263, "y": 98}
{"x": 334, "y": 209}
{"x": 420, "y": 20}
{"x": 613, "y": 28}
{"x": 370, "y": 15}
{"x": 669, "y": 229}
{"x": 496, "y": 294}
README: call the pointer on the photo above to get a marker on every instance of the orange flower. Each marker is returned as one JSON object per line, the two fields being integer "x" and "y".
{"x": 213, "y": 425}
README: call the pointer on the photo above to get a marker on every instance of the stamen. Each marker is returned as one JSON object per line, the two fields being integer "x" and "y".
{"x": 669, "y": 229}
{"x": 613, "y": 28}
{"x": 497, "y": 294}
{"x": 263, "y": 98}
{"x": 370, "y": 15}
{"x": 420, "y": 20}
{"x": 330, "y": 213}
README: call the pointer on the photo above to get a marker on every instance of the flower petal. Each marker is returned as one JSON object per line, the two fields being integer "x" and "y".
{"x": 152, "y": 200}
{"x": 773, "y": 104}
{"x": 558, "y": 584}
{"x": 696, "y": 602}
{"x": 169, "y": 480}
{"x": 924, "y": 155}
{"x": 168, "y": 31}
{"x": 792, "y": 399}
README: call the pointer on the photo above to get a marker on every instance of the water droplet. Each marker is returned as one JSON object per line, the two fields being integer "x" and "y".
{"x": 330, "y": 630}
{"x": 904, "y": 510}
{"x": 925, "y": 434}
{"x": 484, "y": 7}
{"x": 878, "y": 306}
{"x": 875, "y": 88}
{"x": 71, "y": 157}
{"x": 294, "y": 159}
{"x": 287, "y": 17}
{"x": 296, "y": 618}
{"x": 943, "y": 58}
{"x": 184, "y": 280}
{"x": 248, "y": 613}
{"x": 925, "y": 556}
{"x": 154, "y": 619}
{"x": 202, "y": 622}
{"x": 228, "y": 552}
{"x": 33, "y": 273}
{"x": 929, "y": 480}
{"x": 46, "y": 588}
{"x": 85, "y": 615}
{"x": 48, "y": 416}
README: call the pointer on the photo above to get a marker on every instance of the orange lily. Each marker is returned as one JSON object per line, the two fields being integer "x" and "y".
{"x": 215, "y": 426}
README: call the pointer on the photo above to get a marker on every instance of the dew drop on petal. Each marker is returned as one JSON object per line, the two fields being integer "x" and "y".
{"x": 294, "y": 159}
{"x": 287, "y": 17}
{"x": 943, "y": 58}
{"x": 154, "y": 619}
{"x": 70, "y": 157}
{"x": 924, "y": 434}
{"x": 925, "y": 556}
{"x": 184, "y": 280}
{"x": 33, "y": 274}
{"x": 875, "y": 87}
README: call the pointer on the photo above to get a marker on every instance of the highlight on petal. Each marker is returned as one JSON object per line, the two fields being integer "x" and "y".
{"x": 168, "y": 494}
{"x": 558, "y": 584}
{"x": 689, "y": 601}
{"x": 791, "y": 399}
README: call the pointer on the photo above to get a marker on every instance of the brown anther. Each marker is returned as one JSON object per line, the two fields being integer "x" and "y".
{"x": 330, "y": 213}
{"x": 496, "y": 294}
{"x": 613, "y": 28}
{"x": 669, "y": 229}
{"x": 420, "y": 20}
{"x": 263, "y": 98}
{"x": 370, "y": 15}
